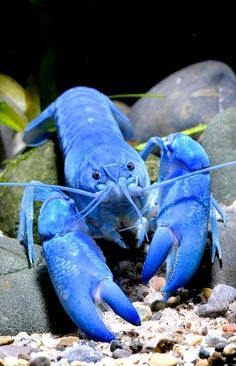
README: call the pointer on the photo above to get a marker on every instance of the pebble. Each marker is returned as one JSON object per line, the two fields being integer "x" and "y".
{"x": 135, "y": 346}
{"x": 204, "y": 331}
{"x": 22, "y": 362}
{"x": 206, "y": 293}
{"x": 162, "y": 359}
{"x": 220, "y": 347}
{"x": 6, "y": 340}
{"x": 232, "y": 338}
{"x": 115, "y": 344}
{"x": 229, "y": 328}
{"x": 164, "y": 345}
{"x": 68, "y": 341}
{"x": 227, "y": 335}
{"x": 143, "y": 310}
{"x": 233, "y": 306}
{"x": 212, "y": 310}
{"x": 10, "y": 361}
{"x": 203, "y": 353}
{"x": 215, "y": 359}
{"x": 157, "y": 283}
{"x": 13, "y": 350}
{"x": 229, "y": 349}
{"x": 40, "y": 361}
{"x": 82, "y": 352}
{"x": 24, "y": 356}
{"x": 223, "y": 293}
{"x": 173, "y": 301}
{"x": 157, "y": 305}
{"x": 156, "y": 316}
{"x": 232, "y": 317}
{"x": 121, "y": 353}
{"x": 212, "y": 341}
{"x": 48, "y": 341}
{"x": 201, "y": 363}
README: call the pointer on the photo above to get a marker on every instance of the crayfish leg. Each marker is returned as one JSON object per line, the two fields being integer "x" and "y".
{"x": 216, "y": 248}
{"x": 25, "y": 230}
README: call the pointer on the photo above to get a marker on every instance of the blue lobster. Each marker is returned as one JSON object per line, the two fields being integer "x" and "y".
{"x": 109, "y": 189}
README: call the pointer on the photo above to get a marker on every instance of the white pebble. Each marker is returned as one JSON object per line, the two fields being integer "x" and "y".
{"x": 10, "y": 361}
{"x": 48, "y": 341}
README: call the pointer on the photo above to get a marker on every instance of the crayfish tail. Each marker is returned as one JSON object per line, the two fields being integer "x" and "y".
{"x": 38, "y": 130}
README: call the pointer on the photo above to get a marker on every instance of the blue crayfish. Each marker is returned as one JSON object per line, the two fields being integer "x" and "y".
{"x": 109, "y": 189}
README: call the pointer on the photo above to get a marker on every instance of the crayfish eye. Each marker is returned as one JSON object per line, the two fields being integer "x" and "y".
{"x": 96, "y": 175}
{"x": 130, "y": 166}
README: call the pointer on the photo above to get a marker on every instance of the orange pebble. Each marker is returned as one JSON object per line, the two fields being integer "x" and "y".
{"x": 157, "y": 283}
{"x": 229, "y": 328}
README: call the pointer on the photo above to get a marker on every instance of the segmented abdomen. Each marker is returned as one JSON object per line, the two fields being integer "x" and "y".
{"x": 83, "y": 113}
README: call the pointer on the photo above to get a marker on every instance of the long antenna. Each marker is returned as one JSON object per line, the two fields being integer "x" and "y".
{"x": 62, "y": 188}
{"x": 201, "y": 171}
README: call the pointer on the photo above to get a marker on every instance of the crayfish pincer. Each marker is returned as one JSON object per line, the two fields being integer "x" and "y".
{"x": 185, "y": 208}
{"x": 108, "y": 189}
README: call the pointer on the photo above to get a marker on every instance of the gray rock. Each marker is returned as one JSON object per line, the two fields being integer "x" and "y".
{"x": 218, "y": 302}
{"x": 222, "y": 293}
{"x": 219, "y": 140}
{"x": 203, "y": 353}
{"x": 82, "y": 352}
{"x": 121, "y": 353}
{"x": 115, "y": 344}
{"x": 193, "y": 95}
{"x": 6, "y": 137}
{"x": 15, "y": 351}
{"x": 15, "y": 256}
{"x": 210, "y": 275}
{"x": 232, "y": 317}
{"x": 212, "y": 310}
{"x": 212, "y": 341}
{"x": 38, "y": 164}
{"x": 226, "y": 274}
{"x": 40, "y": 361}
{"x": 28, "y": 301}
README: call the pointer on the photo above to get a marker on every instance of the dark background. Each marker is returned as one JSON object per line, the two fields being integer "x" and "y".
{"x": 115, "y": 46}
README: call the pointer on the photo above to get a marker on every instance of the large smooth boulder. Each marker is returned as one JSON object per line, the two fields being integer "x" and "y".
{"x": 28, "y": 301}
{"x": 193, "y": 95}
{"x": 219, "y": 140}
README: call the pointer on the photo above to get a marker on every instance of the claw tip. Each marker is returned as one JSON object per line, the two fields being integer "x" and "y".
{"x": 136, "y": 319}
{"x": 145, "y": 279}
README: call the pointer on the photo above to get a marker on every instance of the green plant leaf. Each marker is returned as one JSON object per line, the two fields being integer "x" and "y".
{"x": 140, "y": 95}
{"x": 12, "y": 92}
{"x": 10, "y": 118}
{"x": 12, "y": 103}
{"x": 189, "y": 131}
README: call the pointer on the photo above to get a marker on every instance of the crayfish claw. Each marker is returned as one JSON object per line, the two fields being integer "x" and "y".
{"x": 81, "y": 278}
{"x": 161, "y": 244}
{"x": 118, "y": 301}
